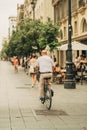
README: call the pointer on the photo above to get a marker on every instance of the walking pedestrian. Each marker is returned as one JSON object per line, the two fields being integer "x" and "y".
{"x": 15, "y": 63}
{"x": 32, "y": 70}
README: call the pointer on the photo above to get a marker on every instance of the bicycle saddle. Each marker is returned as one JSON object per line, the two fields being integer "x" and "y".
{"x": 47, "y": 78}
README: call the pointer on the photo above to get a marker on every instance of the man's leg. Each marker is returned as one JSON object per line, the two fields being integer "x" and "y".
{"x": 41, "y": 85}
{"x": 42, "y": 76}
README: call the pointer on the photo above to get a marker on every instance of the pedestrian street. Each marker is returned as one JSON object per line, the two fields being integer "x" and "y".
{"x": 20, "y": 108}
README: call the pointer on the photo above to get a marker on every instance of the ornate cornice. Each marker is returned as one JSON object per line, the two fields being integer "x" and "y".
{"x": 82, "y": 10}
{"x": 55, "y": 1}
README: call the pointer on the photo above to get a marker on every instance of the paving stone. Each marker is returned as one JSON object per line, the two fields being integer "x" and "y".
{"x": 18, "y": 104}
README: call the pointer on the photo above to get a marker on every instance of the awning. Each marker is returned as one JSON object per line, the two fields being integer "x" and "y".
{"x": 75, "y": 46}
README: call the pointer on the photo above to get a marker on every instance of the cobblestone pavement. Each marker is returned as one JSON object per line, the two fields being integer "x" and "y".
{"x": 20, "y": 108}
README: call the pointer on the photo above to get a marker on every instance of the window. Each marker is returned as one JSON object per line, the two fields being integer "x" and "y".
{"x": 61, "y": 34}
{"x": 81, "y": 3}
{"x": 84, "y": 26}
{"x": 75, "y": 27}
{"x": 64, "y": 31}
{"x": 13, "y": 26}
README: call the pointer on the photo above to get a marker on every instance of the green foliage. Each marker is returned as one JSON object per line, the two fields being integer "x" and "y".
{"x": 3, "y": 52}
{"x": 49, "y": 35}
{"x": 32, "y": 36}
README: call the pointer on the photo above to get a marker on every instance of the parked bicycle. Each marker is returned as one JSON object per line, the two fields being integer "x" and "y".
{"x": 48, "y": 93}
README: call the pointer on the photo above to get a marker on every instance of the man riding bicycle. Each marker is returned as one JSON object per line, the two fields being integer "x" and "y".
{"x": 46, "y": 66}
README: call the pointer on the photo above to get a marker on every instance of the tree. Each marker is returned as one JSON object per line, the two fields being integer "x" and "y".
{"x": 50, "y": 35}
{"x": 32, "y": 36}
{"x": 4, "y": 50}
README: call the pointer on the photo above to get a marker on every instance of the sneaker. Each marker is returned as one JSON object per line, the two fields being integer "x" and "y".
{"x": 32, "y": 86}
{"x": 52, "y": 92}
{"x": 42, "y": 100}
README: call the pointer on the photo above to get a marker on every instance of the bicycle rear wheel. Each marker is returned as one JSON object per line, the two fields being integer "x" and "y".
{"x": 48, "y": 99}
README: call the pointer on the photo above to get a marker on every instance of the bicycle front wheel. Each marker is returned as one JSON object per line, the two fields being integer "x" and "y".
{"x": 48, "y": 99}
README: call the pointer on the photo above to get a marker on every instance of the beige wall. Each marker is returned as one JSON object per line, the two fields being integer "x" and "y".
{"x": 27, "y": 9}
{"x": 20, "y": 13}
{"x": 78, "y": 16}
{"x": 12, "y": 25}
{"x": 43, "y": 10}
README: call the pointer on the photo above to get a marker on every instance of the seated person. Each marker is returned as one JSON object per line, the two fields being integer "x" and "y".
{"x": 81, "y": 67}
{"x": 58, "y": 70}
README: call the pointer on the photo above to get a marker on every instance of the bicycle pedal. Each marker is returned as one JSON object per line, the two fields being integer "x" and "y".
{"x": 42, "y": 100}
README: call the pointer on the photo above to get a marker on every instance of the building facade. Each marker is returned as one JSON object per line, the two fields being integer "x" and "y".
{"x": 57, "y": 11}
{"x": 29, "y": 8}
{"x": 12, "y": 25}
{"x": 44, "y": 10}
{"x": 79, "y": 23}
{"x": 38, "y": 9}
{"x": 20, "y": 13}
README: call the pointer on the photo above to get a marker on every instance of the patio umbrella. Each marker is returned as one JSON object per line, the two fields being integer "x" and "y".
{"x": 75, "y": 46}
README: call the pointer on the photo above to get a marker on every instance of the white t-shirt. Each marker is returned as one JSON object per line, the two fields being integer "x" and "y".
{"x": 45, "y": 63}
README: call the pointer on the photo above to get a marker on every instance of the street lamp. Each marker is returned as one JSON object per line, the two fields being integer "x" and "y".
{"x": 69, "y": 83}
{"x": 33, "y": 8}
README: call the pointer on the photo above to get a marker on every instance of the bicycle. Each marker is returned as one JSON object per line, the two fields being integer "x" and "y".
{"x": 48, "y": 93}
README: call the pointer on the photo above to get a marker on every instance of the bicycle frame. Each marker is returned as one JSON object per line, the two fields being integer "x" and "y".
{"x": 47, "y": 93}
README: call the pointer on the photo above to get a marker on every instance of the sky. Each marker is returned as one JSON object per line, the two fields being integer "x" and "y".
{"x": 7, "y": 8}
